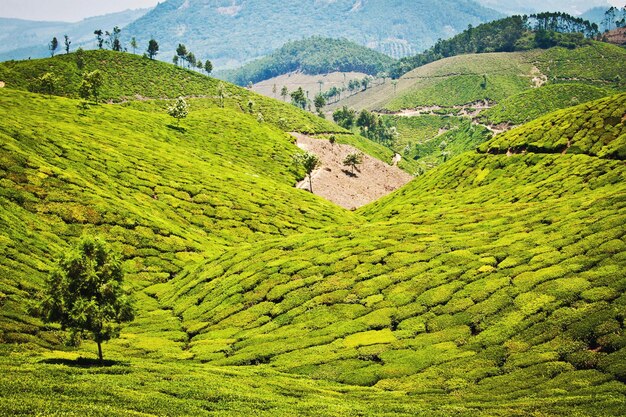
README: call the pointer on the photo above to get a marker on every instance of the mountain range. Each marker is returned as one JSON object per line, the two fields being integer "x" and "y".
{"x": 231, "y": 33}
{"x": 575, "y": 7}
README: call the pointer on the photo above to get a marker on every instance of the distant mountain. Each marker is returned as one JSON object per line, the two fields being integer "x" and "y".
{"x": 313, "y": 56}
{"x": 531, "y": 6}
{"x": 21, "y": 39}
{"x": 231, "y": 33}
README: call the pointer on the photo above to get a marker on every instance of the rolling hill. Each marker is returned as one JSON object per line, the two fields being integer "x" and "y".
{"x": 449, "y": 106}
{"x": 314, "y": 56}
{"x": 232, "y": 33}
{"x": 491, "y": 285}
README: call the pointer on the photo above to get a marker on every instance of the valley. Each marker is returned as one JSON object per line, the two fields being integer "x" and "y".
{"x": 450, "y": 241}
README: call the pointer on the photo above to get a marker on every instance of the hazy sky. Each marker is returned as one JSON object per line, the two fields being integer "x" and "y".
{"x": 74, "y": 10}
{"x": 67, "y": 10}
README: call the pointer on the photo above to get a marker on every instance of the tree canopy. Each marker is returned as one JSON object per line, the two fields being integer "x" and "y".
{"x": 85, "y": 294}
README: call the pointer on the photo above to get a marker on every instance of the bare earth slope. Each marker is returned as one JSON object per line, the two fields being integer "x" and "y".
{"x": 335, "y": 182}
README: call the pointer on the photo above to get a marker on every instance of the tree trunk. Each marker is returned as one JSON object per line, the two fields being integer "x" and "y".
{"x": 100, "y": 351}
{"x": 310, "y": 184}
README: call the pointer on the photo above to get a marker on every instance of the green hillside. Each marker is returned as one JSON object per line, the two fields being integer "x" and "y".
{"x": 313, "y": 56}
{"x": 495, "y": 90}
{"x": 491, "y": 277}
{"x": 466, "y": 79}
{"x": 531, "y": 104}
{"x": 516, "y": 33}
{"x": 492, "y": 285}
{"x": 164, "y": 195}
{"x": 596, "y": 128}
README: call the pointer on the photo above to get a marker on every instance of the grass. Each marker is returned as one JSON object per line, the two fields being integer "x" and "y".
{"x": 428, "y": 141}
{"x": 532, "y": 104}
{"x": 491, "y": 275}
{"x": 595, "y": 128}
{"x": 506, "y": 79}
{"x": 491, "y": 285}
{"x": 163, "y": 195}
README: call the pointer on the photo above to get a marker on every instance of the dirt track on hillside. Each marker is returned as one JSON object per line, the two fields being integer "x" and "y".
{"x": 336, "y": 183}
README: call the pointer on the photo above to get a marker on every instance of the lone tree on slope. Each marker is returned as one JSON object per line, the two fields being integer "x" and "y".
{"x": 309, "y": 162}
{"x": 68, "y": 42}
{"x": 153, "y": 48}
{"x": 284, "y": 92}
{"x": 353, "y": 160}
{"x": 90, "y": 85}
{"x": 47, "y": 83}
{"x": 84, "y": 293}
{"x": 208, "y": 67}
{"x": 99, "y": 38}
{"x": 53, "y": 46}
{"x": 179, "y": 110}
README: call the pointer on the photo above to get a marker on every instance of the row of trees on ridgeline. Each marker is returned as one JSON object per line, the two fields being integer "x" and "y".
{"x": 113, "y": 41}
{"x": 515, "y": 33}
{"x": 183, "y": 56}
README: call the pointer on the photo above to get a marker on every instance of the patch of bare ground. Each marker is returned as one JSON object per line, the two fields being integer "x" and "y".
{"x": 538, "y": 79}
{"x": 2, "y": 84}
{"x": 336, "y": 183}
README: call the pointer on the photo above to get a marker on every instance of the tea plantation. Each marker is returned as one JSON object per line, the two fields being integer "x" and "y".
{"x": 493, "y": 285}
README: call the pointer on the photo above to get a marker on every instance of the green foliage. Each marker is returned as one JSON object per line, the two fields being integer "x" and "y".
{"x": 531, "y": 104}
{"x": 309, "y": 162}
{"x": 595, "y": 128}
{"x": 491, "y": 285}
{"x": 313, "y": 56}
{"x": 299, "y": 99}
{"x": 178, "y": 110}
{"x": 153, "y": 48}
{"x": 85, "y": 293}
{"x": 353, "y": 161}
{"x": 515, "y": 33}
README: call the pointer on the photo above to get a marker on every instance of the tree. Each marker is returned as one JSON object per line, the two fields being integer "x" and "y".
{"x": 47, "y": 83}
{"x": 319, "y": 102}
{"x": 365, "y": 82}
{"x": 345, "y": 117}
{"x": 80, "y": 58}
{"x": 181, "y": 52}
{"x": 179, "y": 110}
{"x": 99, "y": 38}
{"x": 67, "y": 44}
{"x": 175, "y": 60}
{"x": 133, "y": 44}
{"x": 91, "y": 84}
{"x": 85, "y": 294}
{"x": 153, "y": 48}
{"x": 200, "y": 65}
{"x": 284, "y": 92}
{"x": 208, "y": 67}
{"x": 191, "y": 59}
{"x": 353, "y": 160}
{"x": 298, "y": 98}
{"x": 53, "y": 46}
{"x": 113, "y": 39}
{"x": 309, "y": 162}
{"x": 221, "y": 93}
{"x": 274, "y": 90}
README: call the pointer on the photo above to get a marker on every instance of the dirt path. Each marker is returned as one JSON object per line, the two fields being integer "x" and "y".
{"x": 334, "y": 181}
{"x": 471, "y": 110}
{"x": 2, "y": 84}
